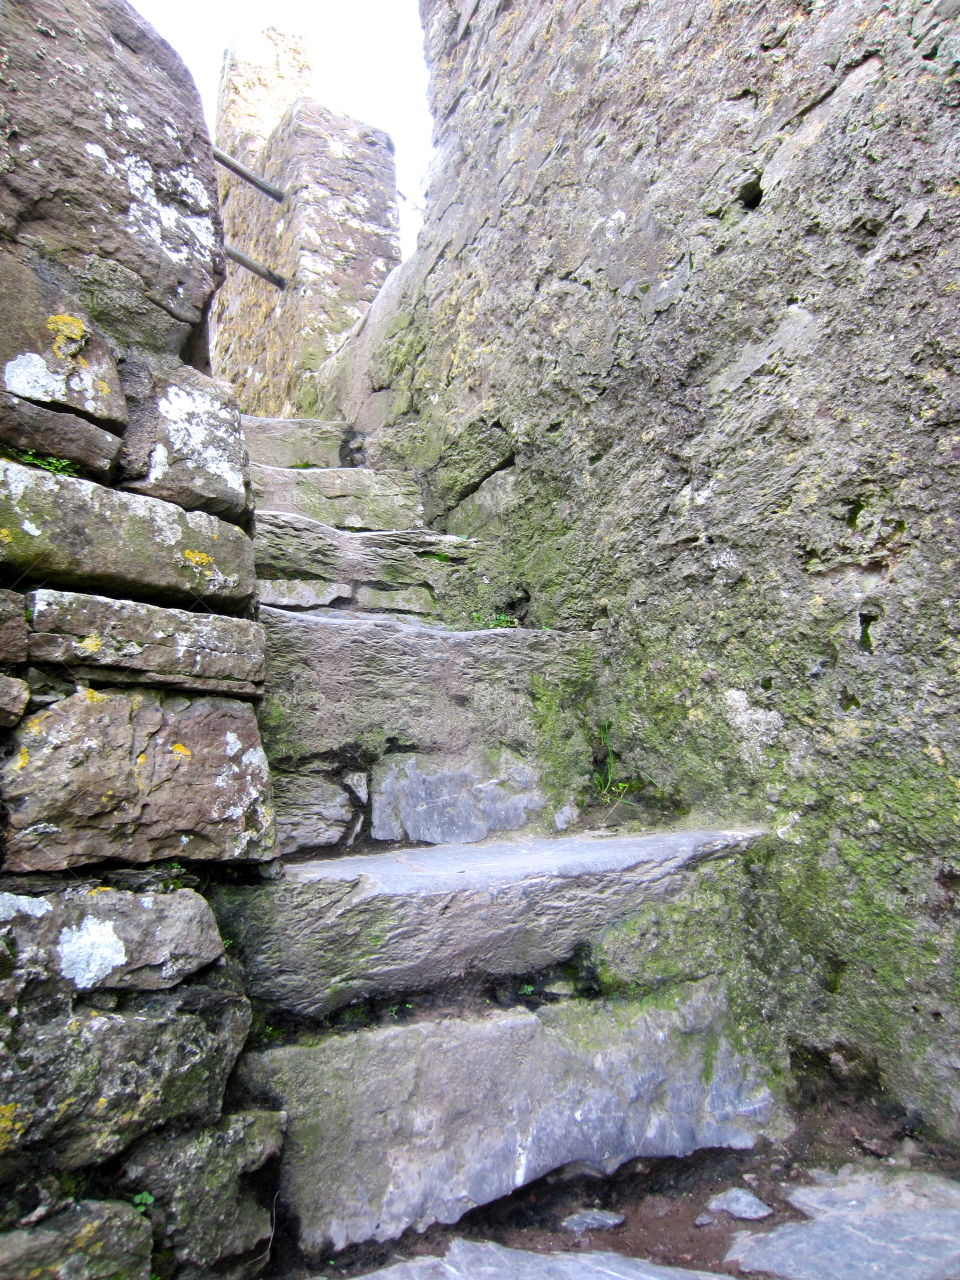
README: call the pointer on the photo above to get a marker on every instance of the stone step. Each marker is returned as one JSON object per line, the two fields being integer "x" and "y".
{"x": 295, "y": 442}
{"x": 482, "y": 1260}
{"x": 406, "y": 1125}
{"x": 462, "y": 733}
{"x": 345, "y": 497}
{"x": 340, "y": 929}
{"x": 304, "y": 564}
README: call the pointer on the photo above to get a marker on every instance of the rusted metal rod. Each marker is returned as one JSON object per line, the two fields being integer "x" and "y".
{"x": 258, "y": 269}
{"x": 248, "y": 175}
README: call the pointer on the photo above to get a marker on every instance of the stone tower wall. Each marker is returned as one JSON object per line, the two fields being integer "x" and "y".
{"x": 333, "y": 239}
{"x": 680, "y": 342}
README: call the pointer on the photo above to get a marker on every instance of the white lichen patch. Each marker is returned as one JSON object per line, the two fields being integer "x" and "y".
{"x": 755, "y": 727}
{"x": 89, "y": 952}
{"x": 15, "y": 904}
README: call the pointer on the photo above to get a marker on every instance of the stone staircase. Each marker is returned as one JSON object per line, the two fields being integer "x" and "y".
{"x": 438, "y": 1032}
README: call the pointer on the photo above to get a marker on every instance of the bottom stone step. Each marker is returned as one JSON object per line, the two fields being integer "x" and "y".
{"x": 407, "y": 1125}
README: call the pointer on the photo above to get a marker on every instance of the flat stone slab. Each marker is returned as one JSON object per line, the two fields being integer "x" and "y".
{"x": 404, "y": 1126}
{"x": 26, "y": 425}
{"x": 294, "y": 442}
{"x": 470, "y": 1260}
{"x": 738, "y": 1202}
{"x": 345, "y": 497}
{"x": 75, "y": 533}
{"x": 338, "y": 929}
{"x": 877, "y": 1225}
{"x": 159, "y": 644}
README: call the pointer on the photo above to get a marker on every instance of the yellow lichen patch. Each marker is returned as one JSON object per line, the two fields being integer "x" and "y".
{"x": 101, "y": 888}
{"x": 35, "y": 723}
{"x": 23, "y": 758}
{"x": 102, "y": 387}
{"x": 6, "y": 535}
{"x": 91, "y": 695}
{"x": 179, "y": 749}
{"x": 91, "y": 644}
{"x": 65, "y": 329}
{"x": 141, "y": 760}
{"x": 198, "y": 558}
{"x": 11, "y": 1126}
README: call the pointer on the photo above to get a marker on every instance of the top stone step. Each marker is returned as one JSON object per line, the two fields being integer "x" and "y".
{"x": 345, "y": 497}
{"x": 295, "y": 442}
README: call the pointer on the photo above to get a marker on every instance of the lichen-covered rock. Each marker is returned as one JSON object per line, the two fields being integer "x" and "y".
{"x": 205, "y": 1211}
{"x": 79, "y": 1082}
{"x": 58, "y": 435}
{"x": 347, "y": 928}
{"x": 345, "y": 497}
{"x": 111, "y": 175}
{"x": 104, "y": 939}
{"x": 295, "y": 442}
{"x": 75, "y": 533}
{"x": 509, "y": 1097}
{"x": 136, "y": 776}
{"x": 161, "y": 645}
{"x": 14, "y": 697}
{"x": 91, "y": 1240}
{"x": 184, "y": 442}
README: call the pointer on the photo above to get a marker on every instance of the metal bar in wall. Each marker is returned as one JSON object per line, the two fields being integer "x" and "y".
{"x": 258, "y": 269}
{"x": 248, "y": 175}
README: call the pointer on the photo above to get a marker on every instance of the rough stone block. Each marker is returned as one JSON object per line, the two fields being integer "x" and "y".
{"x": 13, "y": 627}
{"x": 301, "y": 595}
{"x": 92, "y": 1240}
{"x": 136, "y": 776}
{"x": 417, "y": 600}
{"x": 405, "y": 1126}
{"x": 294, "y": 442}
{"x": 205, "y": 1210}
{"x": 14, "y": 697}
{"x": 105, "y": 939}
{"x": 75, "y": 533}
{"x": 29, "y": 426}
{"x": 184, "y": 442}
{"x": 157, "y": 643}
{"x": 311, "y": 813}
{"x": 344, "y": 928}
{"x": 345, "y": 497}
{"x": 427, "y": 801}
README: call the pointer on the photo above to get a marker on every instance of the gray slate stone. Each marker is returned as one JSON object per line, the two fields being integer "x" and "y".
{"x": 206, "y": 1212}
{"x": 592, "y": 1220}
{"x": 14, "y": 696}
{"x": 739, "y": 1203}
{"x": 471, "y": 1260}
{"x": 137, "y": 776}
{"x": 408, "y": 1125}
{"x": 294, "y": 442}
{"x": 77, "y": 534}
{"x": 311, "y": 813}
{"x": 426, "y": 801}
{"x": 184, "y": 442}
{"x": 878, "y": 1225}
{"x": 92, "y": 1240}
{"x": 105, "y": 939}
{"x": 160, "y": 645}
{"x": 345, "y": 497}
{"x": 57, "y": 434}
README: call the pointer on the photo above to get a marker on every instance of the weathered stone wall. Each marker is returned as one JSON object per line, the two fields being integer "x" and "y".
{"x": 129, "y": 666}
{"x": 333, "y": 239}
{"x": 680, "y": 342}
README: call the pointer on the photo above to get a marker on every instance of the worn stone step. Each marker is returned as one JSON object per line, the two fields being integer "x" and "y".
{"x": 482, "y": 1260}
{"x": 406, "y": 1125}
{"x": 305, "y": 564}
{"x": 345, "y": 497}
{"x": 463, "y": 733}
{"x": 339, "y": 929}
{"x": 295, "y": 442}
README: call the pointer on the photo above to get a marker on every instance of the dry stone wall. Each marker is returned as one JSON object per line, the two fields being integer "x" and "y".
{"x": 129, "y": 668}
{"x": 333, "y": 238}
{"x": 679, "y": 345}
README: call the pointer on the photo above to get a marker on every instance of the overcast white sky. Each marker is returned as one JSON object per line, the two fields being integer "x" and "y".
{"x": 368, "y": 56}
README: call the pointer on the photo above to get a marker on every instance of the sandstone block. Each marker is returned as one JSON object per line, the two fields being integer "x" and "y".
{"x": 294, "y": 442}
{"x": 105, "y": 939}
{"x": 13, "y": 627}
{"x": 92, "y": 1240}
{"x": 137, "y": 776}
{"x": 76, "y": 533}
{"x": 508, "y": 1097}
{"x": 29, "y": 426}
{"x": 340, "y": 929}
{"x": 184, "y": 442}
{"x": 206, "y": 1212}
{"x": 14, "y": 696}
{"x": 311, "y": 813}
{"x": 162, "y": 644}
{"x": 345, "y": 497}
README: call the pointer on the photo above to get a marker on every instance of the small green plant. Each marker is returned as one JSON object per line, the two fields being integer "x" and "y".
{"x": 45, "y": 461}
{"x": 488, "y": 622}
{"x": 528, "y": 989}
{"x": 142, "y": 1200}
{"x": 606, "y": 783}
